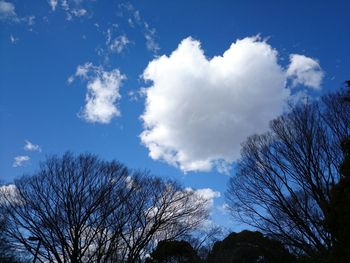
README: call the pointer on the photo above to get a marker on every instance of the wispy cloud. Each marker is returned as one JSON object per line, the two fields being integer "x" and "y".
{"x": 118, "y": 44}
{"x": 53, "y": 4}
{"x": 102, "y": 92}
{"x": 135, "y": 20}
{"x": 31, "y": 147}
{"x": 20, "y": 160}
{"x": 7, "y": 11}
{"x": 8, "y": 14}
{"x": 13, "y": 39}
{"x": 150, "y": 36}
{"x": 71, "y": 8}
{"x": 224, "y": 208}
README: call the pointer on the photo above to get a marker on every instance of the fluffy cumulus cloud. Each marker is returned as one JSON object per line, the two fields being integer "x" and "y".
{"x": 31, "y": 147}
{"x": 198, "y": 110}
{"x": 305, "y": 71}
{"x": 102, "y": 92}
{"x": 20, "y": 160}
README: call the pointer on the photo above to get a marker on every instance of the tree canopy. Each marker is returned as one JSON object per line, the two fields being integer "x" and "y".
{"x": 83, "y": 209}
{"x": 285, "y": 177}
{"x": 249, "y": 247}
{"x": 174, "y": 251}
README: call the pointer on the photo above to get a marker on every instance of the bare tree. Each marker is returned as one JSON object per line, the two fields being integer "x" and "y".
{"x": 203, "y": 239}
{"x": 284, "y": 178}
{"x": 65, "y": 206}
{"x": 159, "y": 210}
{"x": 82, "y": 209}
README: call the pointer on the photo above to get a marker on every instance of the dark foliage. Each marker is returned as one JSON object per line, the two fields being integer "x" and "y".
{"x": 249, "y": 247}
{"x": 339, "y": 218}
{"x": 174, "y": 252}
{"x": 7, "y": 253}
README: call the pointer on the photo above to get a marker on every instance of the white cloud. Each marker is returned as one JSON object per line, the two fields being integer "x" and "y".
{"x": 118, "y": 44}
{"x": 71, "y": 8}
{"x": 207, "y": 194}
{"x": 8, "y": 14}
{"x": 102, "y": 92}
{"x": 9, "y": 193}
{"x": 13, "y": 39}
{"x": 135, "y": 20}
{"x": 7, "y": 10}
{"x": 305, "y": 71}
{"x": 150, "y": 35}
{"x": 20, "y": 160}
{"x": 203, "y": 197}
{"x": 53, "y": 4}
{"x": 224, "y": 208}
{"x": 79, "y": 12}
{"x": 31, "y": 147}
{"x": 30, "y": 20}
{"x": 198, "y": 110}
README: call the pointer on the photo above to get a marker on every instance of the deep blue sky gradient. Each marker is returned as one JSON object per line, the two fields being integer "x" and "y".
{"x": 38, "y": 104}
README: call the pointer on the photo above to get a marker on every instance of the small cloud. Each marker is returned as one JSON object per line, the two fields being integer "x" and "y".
{"x": 13, "y": 39}
{"x": 131, "y": 23}
{"x": 118, "y": 44}
{"x": 65, "y": 5}
{"x": 72, "y": 9}
{"x": 136, "y": 95}
{"x": 135, "y": 20}
{"x": 7, "y": 11}
{"x": 224, "y": 208}
{"x": 20, "y": 160}
{"x": 8, "y": 14}
{"x": 206, "y": 194}
{"x": 53, "y": 4}
{"x": 150, "y": 35}
{"x": 31, "y": 147}
{"x": 79, "y": 12}
{"x": 30, "y": 20}
{"x": 115, "y": 44}
{"x": 70, "y": 79}
{"x": 305, "y": 71}
{"x": 102, "y": 92}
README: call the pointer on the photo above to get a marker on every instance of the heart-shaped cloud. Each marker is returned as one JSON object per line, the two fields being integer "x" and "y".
{"x": 198, "y": 110}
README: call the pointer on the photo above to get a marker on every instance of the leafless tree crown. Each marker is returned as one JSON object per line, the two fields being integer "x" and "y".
{"x": 82, "y": 209}
{"x": 285, "y": 176}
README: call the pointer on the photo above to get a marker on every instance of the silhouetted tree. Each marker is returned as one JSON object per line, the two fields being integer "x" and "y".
{"x": 159, "y": 211}
{"x": 7, "y": 253}
{"x": 285, "y": 177}
{"x": 82, "y": 209}
{"x": 67, "y": 205}
{"x": 339, "y": 217}
{"x": 202, "y": 240}
{"x": 174, "y": 252}
{"x": 249, "y": 247}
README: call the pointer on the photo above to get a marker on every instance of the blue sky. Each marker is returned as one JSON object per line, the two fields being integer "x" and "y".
{"x": 146, "y": 82}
